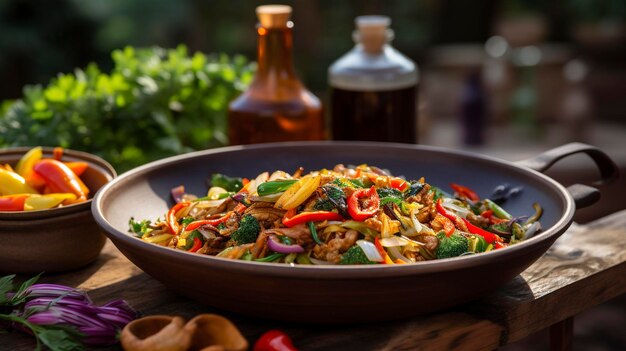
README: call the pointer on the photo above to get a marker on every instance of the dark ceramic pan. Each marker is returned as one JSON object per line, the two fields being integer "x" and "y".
{"x": 341, "y": 294}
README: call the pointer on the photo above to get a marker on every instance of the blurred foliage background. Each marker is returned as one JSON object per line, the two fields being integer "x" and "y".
{"x": 40, "y": 39}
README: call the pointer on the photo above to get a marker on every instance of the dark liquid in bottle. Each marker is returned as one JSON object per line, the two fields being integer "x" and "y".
{"x": 375, "y": 116}
{"x": 260, "y": 122}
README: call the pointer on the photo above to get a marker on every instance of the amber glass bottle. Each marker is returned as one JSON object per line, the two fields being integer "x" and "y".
{"x": 276, "y": 106}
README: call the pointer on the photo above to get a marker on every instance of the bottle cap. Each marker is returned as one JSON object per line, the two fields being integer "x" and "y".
{"x": 273, "y": 16}
{"x": 373, "y": 32}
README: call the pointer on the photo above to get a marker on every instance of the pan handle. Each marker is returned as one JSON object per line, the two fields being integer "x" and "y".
{"x": 583, "y": 195}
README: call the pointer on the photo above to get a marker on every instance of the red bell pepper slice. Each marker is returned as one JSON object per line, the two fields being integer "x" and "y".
{"x": 274, "y": 340}
{"x": 382, "y": 252}
{"x": 489, "y": 237}
{"x": 291, "y": 219}
{"x": 451, "y": 216}
{"x": 398, "y": 183}
{"x": 60, "y": 178}
{"x": 363, "y": 204}
{"x": 171, "y": 221}
{"x": 465, "y": 192}
{"x": 13, "y": 202}
{"x": 240, "y": 208}
{"x": 197, "y": 244}
{"x": 77, "y": 167}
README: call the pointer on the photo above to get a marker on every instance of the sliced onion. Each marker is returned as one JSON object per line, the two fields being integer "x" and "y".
{"x": 532, "y": 230}
{"x": 393, "y": 241}
{"x": 261, "y": 178}
{"x": 177, "y": 193}
{"x": 419, "y": 227}
{"x": 370, "y": 251}
{"x": 210, "y": 203}
{"x": 266, "y": 198}
{"x": 276, "y": 246}
{"x": 214, "y": 192}
{"x": 395, "y": 254}
{"x": 320, "y": 262}
{"x": 449, "y": 204}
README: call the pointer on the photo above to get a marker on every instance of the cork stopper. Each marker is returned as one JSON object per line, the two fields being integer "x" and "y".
{"x": 273, "y": 16}
{"x": 373, "y": 32}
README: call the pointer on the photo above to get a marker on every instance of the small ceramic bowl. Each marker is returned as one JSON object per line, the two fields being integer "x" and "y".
{"x": 58, "y": 239}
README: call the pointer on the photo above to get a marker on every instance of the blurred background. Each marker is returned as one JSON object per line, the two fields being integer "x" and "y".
{"x": 543, "y": 73}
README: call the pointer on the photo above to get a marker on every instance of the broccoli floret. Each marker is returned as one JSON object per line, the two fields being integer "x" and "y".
{"x": 389, "y": 192}
{"x": 355, "y": 255}
{"x": 331, "y": 197}
{"x": 226, "y": 182}
{"x": 452, "y": 246}
{"x": 324, "y": 205}
{"x": 248, "y": 230}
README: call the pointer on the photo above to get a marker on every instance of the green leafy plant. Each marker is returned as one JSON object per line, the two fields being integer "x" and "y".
{"x": 154, "y": 103}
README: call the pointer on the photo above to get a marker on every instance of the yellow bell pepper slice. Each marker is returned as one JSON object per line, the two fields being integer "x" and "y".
{"x": 43, "y": 202}
{"x": 13, "y": 183}
{"x": 296, "y": 194}
{"x": 25, "y": 167}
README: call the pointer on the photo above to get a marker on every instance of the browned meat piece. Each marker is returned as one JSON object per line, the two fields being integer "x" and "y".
{"x": 477, "y": 220}
{"x": 424, "y": 197}
{"x": 373, "y": 223}
{"x": 226, "y": 206}
{"x": 332, "y": 251}
{"x": 431, "y": 242}
{"x": 213, "y": 246}
{"x": 427, "y": 214}
{"x": 300, "y": 233}
{"x": 265, "y": 213}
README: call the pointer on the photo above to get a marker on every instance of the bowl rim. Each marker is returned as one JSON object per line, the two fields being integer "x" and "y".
{"x": 124, "y": 240}
{"x": 101, "y": 165}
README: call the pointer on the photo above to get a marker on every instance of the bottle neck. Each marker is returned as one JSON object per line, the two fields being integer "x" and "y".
{"x": 274, "y": 52}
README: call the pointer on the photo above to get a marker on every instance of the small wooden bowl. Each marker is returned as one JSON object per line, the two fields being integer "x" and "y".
{"x": 58, "y": 239}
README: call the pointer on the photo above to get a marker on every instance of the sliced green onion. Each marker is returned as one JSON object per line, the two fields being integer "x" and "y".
{"x": 314, "y": 233}
{"x": 271, "y": 258}
{"x": 273, "y": 187}
{"x": 497, "y": 210}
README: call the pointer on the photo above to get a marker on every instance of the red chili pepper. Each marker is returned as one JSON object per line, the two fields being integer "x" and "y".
{"x": 500, "y": 245}
{"x": 197, "y": 244}
{"x": 274, "y": 340}
{"x": 488, "y": 236}
{"x": 291, "y": 219}
{"x": 60, "y": 178}
{"x": 171, "y": 221}
{"x": 13, "y": 202}
{"x": 363, "y": 204}
{"x": 466, "y": 192}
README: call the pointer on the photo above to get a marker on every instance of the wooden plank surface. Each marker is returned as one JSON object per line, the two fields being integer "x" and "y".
{"x": 585, "y": 267}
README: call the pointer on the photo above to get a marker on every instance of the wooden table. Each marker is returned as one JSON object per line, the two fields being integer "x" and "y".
{"x": 585, "y": 267}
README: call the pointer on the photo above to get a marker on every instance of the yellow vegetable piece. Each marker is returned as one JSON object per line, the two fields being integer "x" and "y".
{"x": 298, "y": 192}
{"x": 161, "y": 238}
{"x": 13, "y": 183}
{"x": 42, "y": 202}
{"x": 25, "y": 165}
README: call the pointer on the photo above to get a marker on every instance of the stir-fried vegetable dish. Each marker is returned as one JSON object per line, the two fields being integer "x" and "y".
{"x": 347, "y": 215}
{"x": 38, "y": 183}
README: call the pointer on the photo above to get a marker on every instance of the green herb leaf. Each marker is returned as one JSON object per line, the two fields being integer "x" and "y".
{"x": 6, "y": 285}
{"x": 19, "y": 296}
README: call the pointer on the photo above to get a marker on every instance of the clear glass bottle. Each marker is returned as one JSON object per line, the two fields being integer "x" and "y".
{"x": 374, "y": 88}
{"x": 276, "y": 106}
